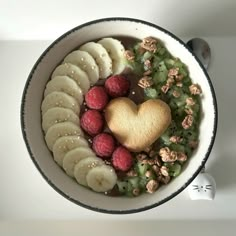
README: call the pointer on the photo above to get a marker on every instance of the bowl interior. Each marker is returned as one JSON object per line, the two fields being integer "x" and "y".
{"x": 31, "y": 115}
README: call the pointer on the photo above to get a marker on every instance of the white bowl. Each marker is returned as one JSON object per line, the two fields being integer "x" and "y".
{"x": 31, "y": 115}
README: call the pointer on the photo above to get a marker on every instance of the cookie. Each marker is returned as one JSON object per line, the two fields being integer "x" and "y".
{"x": 137, "y": 127}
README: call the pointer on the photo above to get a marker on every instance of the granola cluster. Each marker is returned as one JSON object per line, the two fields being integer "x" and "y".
{"x": 149, "y": 44}
{"x": 170, "y": 156}
{"x": 129, "y": 55}
{"x": 187, "y": 122}
{"x": 173, "y": 77}
{"x": 156, "y": 172}
{"x": 145, "y": 82}
{"x": 195, "y": 89}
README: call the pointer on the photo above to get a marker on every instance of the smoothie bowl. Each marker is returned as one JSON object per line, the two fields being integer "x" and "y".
{"x": 118, "y": 115}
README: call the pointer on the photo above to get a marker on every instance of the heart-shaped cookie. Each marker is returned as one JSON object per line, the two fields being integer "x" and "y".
{"x": 137, "y": 127}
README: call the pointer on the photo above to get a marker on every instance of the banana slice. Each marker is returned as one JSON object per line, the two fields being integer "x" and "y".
{"x": 66, "y": 143}
{"x": 116, "y": 51}
{"x": 101, "y": 178}
{"x": 61, "y": 129}
{"x": 64, "y": 84}
{"x": 60, "y": 99}
{"x": 75, "y": 73}
{"x": 74, "y": 156}
{"x": 57, "y": 115}
{"x": 84, "y": 166}
{"x": 100, "y": 55}
{"x": 86, "y": 62}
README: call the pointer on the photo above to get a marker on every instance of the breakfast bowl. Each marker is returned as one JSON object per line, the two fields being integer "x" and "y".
{"x": 41, "y": 147}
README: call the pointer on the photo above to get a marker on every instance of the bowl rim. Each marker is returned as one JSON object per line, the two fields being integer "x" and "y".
{"x": 96, "y": 209}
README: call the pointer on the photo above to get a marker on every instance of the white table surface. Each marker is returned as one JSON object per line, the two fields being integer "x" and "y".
{"x": 25, "y": 195}
{"x": 48, "y": 19}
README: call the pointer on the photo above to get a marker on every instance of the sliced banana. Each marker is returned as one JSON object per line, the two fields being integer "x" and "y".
{"x": 60, "y": 99}
{"x": 84, "y": 166}
{"x": 75, "y": 73}
{"x": 74, "y": 156}
{"x": 61, "y": 129}
{"x": 116, "y": 51}
{"x": 66, "y": 143}
{"x": 86, "y": 62}
{"x": 64, "y": 84}
{"x": 57, "y": 115}
{"x": 101, "y": 178}
{"x": 102, "y": 58}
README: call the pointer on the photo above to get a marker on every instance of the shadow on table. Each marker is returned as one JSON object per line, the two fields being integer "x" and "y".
{"x": 223, "y": 171}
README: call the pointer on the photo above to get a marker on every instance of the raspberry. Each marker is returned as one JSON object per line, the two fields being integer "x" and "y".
{"x": 117, "y": 86}
{"x": 103, "y": 145}
{"x": 92, "y": 122}
{"x": 122, "y": 159}
{"x": 96, "y": 98}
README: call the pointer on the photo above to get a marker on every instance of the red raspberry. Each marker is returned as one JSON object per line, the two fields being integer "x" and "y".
{"x": 96, "y": 98}
{"x": 117, "y": 86}
{"x": 92, "y": 122}
{"x": 122, "y": 159}
{"x": 103, "y": 145}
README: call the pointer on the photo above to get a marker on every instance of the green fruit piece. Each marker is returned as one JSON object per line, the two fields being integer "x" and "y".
{"x": 169, "y": 63}
{"x": 161, "y": 75}
{"x": 142, "y": 168}
{"x": 181, "y": 101}
{"x": 177, "y": 147}
{"x": 151, "y": 92}
{"x": 122, "y": 186}
{"x": 190, "y": 134}
{"x": 142, "y": 183}
{"x": 175, "y": 170}
{"x": 156, "y": 61}
{"x": 178, "y": 64}
{"x": 129, "y": 191}
{"x": 147, "y": 55}
{"x": 166, "y": 138}
{"x": 162, "y": 51}
{"x": 134, "y": 181}
{"x": 183, "y": 71}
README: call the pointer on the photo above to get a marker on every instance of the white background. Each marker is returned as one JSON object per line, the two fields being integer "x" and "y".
{"x": 26, "y": 29}
{"x": 48, "y": 19}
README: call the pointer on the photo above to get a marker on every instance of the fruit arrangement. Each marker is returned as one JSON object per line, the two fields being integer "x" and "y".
{"x": 97, "y": 131}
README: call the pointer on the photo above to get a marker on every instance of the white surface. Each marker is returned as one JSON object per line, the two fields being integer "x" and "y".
{"x": 48, "y": 19}
{"x": 26, "y": 195}
{"x": 117, "y": 228}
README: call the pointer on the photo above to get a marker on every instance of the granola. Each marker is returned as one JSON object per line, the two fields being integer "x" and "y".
{"x": 145, "y": 82}
{"x": 149, "y": 44}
